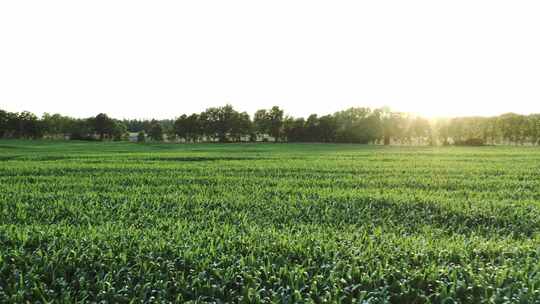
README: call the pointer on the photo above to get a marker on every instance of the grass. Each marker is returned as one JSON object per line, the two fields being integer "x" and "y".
{"x": 130, "y": 223}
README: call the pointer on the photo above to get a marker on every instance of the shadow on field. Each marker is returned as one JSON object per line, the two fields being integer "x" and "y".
{"x": 8, "y": 157}
{"x": 411, "y": 216}
{"x": 407, "y": 217}
{"x": 402, "y": 217}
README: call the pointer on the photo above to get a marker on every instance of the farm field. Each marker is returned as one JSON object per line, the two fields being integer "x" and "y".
{"x": 283, "y": 223}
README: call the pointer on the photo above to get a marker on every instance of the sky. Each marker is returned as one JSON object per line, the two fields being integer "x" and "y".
{"x": 160, "y": 59}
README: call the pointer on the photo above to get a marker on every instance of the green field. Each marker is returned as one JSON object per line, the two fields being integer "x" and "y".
{"x": 285, "y": 223}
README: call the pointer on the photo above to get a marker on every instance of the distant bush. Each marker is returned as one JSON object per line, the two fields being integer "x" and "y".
{"x": 82, "y": 136}
{"x": 470, "y": 142}
{"x": 141, "y": 137}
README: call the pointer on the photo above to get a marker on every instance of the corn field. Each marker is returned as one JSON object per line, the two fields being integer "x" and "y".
{"x": 268, "y": 223}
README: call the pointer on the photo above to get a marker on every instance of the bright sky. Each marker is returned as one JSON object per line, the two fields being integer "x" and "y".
{"x": 160, "y": 59}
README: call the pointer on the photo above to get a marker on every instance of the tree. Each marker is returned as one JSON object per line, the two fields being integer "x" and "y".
{"x": 188, "y": 127}
{"x": 81, "y": 129}
{"x": 214, "y": 125}
{"x": 269, "y": 122}
{"x": 195, "y": 127}
{"x": 311, "y": 133}
{"x": 29, "y": 126}
{"x": 141, "y": 137}
{"x": 512, "y": 126}
{"x": 353, "y": 126}
{"x": 156, "y": 131}
{"x": 261, "y": 122}
{"x": 534, "y": 122}
{"x": 103, "y": 125}
{"x": 5, "y": 123}
{"x": 294, "y": 129}
{"x": 134, "y": 125}
{"x": 56, "y": 125}
{"x": 224, "y": 122}
{"x": 119, "y": 131}
{"x": 443, "y": 133}
{"x": 327, "y": 128}
{"x": 181, "y": 127}
{"x": 420, "y": 129}
{"x": 241, "y": 126}
{"x": 276, "y": 122}
{"x": 392, "y": 125}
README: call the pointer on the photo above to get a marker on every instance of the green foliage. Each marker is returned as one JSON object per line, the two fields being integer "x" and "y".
{"x": 156, "y": 132}
{"x": 225, "y": 124}
{"x": 222, "y": 123}
{"x": 124, "y": 223}
{"x": 470, "y": 142}
{"x": 188, "y": 127}
{"x": 141, "y": 137}
{"x": 269, "y": 122}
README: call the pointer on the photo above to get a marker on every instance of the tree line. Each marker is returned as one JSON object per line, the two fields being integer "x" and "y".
{"x": 225, "y": 124}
